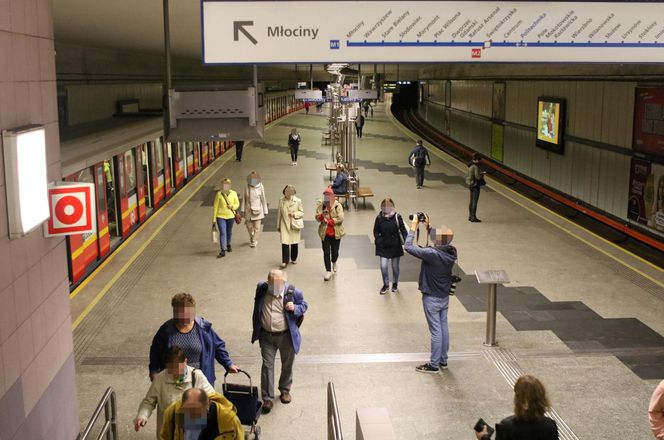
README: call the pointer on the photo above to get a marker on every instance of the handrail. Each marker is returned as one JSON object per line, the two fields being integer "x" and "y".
{"x": 333, "y": 419}
{"x": 109, "y": 429}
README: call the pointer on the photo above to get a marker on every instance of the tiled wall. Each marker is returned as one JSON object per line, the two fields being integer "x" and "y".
{"x": 37, "y": 388}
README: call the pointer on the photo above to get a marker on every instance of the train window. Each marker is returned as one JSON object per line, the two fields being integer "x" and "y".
{"x": 121, "y": 176}
{"x": 85, "y": 176}
{"x": 130, "y": 165}
{"x": 101, "y": 189}
{"x": 159, "y": 154}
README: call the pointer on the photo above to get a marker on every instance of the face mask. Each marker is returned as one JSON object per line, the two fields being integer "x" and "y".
{"x": 191, "y": 423}
{"x": 254, "y": 182}
{"x": 327, "y": 201}
{"x": 388, "y": 210}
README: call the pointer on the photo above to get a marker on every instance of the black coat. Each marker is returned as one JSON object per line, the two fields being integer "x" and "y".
{"x": 386, "y": 234}
{"x": 513, "y": 429}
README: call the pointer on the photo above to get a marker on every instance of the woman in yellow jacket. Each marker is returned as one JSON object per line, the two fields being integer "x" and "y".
{"x": 226, "y": 204}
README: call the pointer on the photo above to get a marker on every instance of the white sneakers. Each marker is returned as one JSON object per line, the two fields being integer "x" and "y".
{"x": 327, "y": 276}
{"x": 253, "y": 244}
{"x": 283, "y": 265}
{"x": 294, "y": 163}
{"x": 334, "y": 267}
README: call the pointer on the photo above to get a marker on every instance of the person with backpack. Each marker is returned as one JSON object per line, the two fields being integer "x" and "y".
{"x": 168, "y": 385}
{"x": 419, "y": 158}
{"x": 475, "y": 181}
{"x": 294, "y": 140}
{"x": 389, "y": 235}
{"x": 279, "y": 309}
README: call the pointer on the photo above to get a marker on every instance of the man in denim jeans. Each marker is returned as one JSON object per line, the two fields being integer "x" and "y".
{"x": 434, "y": 283}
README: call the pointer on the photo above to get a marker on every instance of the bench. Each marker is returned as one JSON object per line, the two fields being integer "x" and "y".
{"x": 330, "y": 167}
{"x": 364, "y": 192}
{"x": 327, "y": 137}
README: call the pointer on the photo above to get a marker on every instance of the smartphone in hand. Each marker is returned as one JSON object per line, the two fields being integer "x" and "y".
{"x": 479, "y": 427}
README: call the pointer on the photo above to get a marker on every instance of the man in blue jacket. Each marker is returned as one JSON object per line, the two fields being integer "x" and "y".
{"x": 194, "y": 335}
{"x": 434, "y": 283}
{"x": 340, "y": 185}
{"x": 278, "y": 312}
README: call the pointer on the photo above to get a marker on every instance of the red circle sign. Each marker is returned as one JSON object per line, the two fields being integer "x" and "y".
{"x": 69, "y": 210}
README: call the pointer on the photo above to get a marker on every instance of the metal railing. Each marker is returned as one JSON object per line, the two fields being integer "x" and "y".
{"x": 333, "y": 419}
{"x": 109, "y": 429}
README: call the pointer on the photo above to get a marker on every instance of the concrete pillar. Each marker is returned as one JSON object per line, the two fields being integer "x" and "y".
{"x": 37, "y": 387}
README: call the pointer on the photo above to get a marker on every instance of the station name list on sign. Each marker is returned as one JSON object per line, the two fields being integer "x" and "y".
{"x": 432, "y": 31}
{"x": 291, "y": 32}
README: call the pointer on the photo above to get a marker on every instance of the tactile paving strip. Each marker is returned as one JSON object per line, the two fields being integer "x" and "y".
{"x": 506, "y": 363}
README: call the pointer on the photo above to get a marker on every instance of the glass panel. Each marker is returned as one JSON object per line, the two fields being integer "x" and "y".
{"x": 101, "y": 189}
{"x": 159, "y": 154}
{"x": 131, "y": 170}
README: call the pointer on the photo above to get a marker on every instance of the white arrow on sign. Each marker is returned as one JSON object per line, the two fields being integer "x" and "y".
{"x": 431, "y": 31}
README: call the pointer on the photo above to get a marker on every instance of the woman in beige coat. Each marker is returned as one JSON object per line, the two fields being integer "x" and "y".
{"x": 289, "y": 224}
{"x": 330, "y": 216}
{"x": 254, "y": 206}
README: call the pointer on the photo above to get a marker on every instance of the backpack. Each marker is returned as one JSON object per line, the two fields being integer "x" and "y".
{"x": 420, "y": 157}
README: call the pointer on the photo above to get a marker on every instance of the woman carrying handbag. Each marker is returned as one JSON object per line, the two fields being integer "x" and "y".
{"x": 389, "y": 235}
{"x": 289, "y": 224}
{"x": 225, "y": 214}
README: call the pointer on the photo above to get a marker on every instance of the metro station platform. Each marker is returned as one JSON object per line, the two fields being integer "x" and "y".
{"x": 581, "y": 314}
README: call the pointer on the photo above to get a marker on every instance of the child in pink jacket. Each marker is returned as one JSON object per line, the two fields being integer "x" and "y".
{"x": 656, "y": 411}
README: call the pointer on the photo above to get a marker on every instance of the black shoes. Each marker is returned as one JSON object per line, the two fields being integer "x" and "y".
{"x": 384, "y": 289}
{"x": 426, "y": 368}
{"x": 229, "y": 249}
{"x": 395, "y": 288}
{"x": 474, "y": 220}
{"x": 221, "y": 254}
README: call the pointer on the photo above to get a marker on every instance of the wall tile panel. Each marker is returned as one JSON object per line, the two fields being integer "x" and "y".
{"x": 8, "y": 321}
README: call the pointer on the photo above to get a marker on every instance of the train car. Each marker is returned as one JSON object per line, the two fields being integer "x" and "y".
{"x": 135, "y": 171}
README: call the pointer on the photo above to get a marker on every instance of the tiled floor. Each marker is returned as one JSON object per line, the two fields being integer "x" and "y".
{"x": 592, "y": 334}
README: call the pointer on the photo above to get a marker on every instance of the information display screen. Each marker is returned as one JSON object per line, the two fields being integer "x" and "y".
{"x": 550, "y": 124}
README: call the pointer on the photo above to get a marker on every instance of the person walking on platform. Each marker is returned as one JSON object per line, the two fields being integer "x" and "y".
{"x": 167, "y": 387}
{"x": 330, "y": 215}
{"x": 359, "y": 124}
{"x": 389, "y": 235}
{"x": 656, "y": 412}
{"x": 434, "y": 283}
{"x": 475, "y": 181}
{"x": 340, "y": 184}
{"x": 294, "y": 140}
{"x": 279, "y": 309}
{"x": 419, "y": 158}
{"x": 195, "y": 335}
{"x": 197, "y": 416}
{"x": 289, "y": 224}
{"x": 255, "y": 206}
{"x": 239, "y": 146}
{"x": 529, "y": 420}
{"x": 226, "y": 204}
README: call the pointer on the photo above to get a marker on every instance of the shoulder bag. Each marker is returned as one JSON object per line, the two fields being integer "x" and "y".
{"x": 238, "y": 217}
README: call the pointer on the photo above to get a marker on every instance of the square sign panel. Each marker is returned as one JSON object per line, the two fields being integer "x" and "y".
{"x": 72, "y": 209}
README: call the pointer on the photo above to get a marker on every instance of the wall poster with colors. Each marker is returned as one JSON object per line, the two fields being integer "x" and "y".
{"x": 646, "y": 195}
{"x": 649, "y": 121}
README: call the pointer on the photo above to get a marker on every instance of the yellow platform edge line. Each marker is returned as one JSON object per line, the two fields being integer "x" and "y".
{"x": 455, "y": 163}
{"x": 124, "y": 268}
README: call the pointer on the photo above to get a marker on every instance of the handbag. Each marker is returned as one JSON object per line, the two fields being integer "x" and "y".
{"x": 481, "y": 181}
{"x": 238, "y": 217}
{"x": 214, "y": 234}
{"x": 296, "y": 224}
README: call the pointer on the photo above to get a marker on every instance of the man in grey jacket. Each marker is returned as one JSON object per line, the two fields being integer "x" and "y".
{"x": 434, "y": 283}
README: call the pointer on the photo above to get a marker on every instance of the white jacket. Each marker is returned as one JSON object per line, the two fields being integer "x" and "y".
{"x": 254, "y": 205}
{"x": 164, "y": 391}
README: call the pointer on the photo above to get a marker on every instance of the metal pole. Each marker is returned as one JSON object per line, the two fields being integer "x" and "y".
{"x": 167, "y": 45}
{"x": 311, "y": 76}
{"x": 490, "y": 340}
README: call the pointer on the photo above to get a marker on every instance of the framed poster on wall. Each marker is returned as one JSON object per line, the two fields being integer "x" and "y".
{"x": 648, "y": 133}
{"x": 550, "y": 124}
{"x": 646, "y": 195}
{"x": 497, "y": 141}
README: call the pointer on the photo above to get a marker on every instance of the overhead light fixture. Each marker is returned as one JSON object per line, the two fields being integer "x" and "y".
{"x": 26, "y": 178}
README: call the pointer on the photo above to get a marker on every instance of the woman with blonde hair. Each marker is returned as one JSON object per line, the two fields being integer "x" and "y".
{"x": 255, "y": 206}
{"x": 528, "y": 421}
{"x": 289, "y": 224}
{"x": 226, "y": 204}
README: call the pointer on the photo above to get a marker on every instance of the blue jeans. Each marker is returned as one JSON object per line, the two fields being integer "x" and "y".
{"x": 385, "y": 272}
{"x": 435, "y": 309}
{"x": 225, "y": 227}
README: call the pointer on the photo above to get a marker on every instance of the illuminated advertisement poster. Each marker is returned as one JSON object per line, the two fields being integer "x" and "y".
{"x": 649, "y": 121}
{"x": 646, "y": 194}
{"x": 550, "y": 116}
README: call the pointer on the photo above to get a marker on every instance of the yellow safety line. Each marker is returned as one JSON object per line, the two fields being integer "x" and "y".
{"x": 135, "y": 255}
{"x": 583, "y": 240}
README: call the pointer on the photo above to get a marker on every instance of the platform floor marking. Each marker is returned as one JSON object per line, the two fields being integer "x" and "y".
{"x": 455, "y": 163}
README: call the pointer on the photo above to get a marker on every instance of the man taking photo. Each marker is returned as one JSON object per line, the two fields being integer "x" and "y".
{"x": 434, "y": 283}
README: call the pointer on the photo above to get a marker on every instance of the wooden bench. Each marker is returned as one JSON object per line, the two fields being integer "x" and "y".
{"x": 327, "y": 137}
{"x": 330, "y": 167}
{"x": 364, "y": 192}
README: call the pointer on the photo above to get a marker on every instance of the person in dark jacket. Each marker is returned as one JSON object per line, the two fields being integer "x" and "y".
{"x": 359, "y": 124}
{"x": 239, "y": 146}
{"x": 475, "y": 181}
{"x": 340, "y": 184}
{"x": 294, "y": 140}
{"x": 528, "y": 421}
{"x": 194, "y": 335}
{"x": 419, "y": 158}
{"x": 389, "y": 235}
{"x": 434, "y": 283}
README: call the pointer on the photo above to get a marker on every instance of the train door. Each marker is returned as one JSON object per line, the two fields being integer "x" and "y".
{"x": 189, "y": 157}
{"x": 156, "y": 164}
{"x": 196, "y": 147}
{"x": 218, "y": 146}
{"x": 205, "y": 152}
{"x": 167, "y": 167}
{"x": 144, "y": 182}
{"x": 102, "y": 188}
{"x": 128, "y": 194}
{"x": 114, "y": 193}
{"x": 82, "y": 248}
